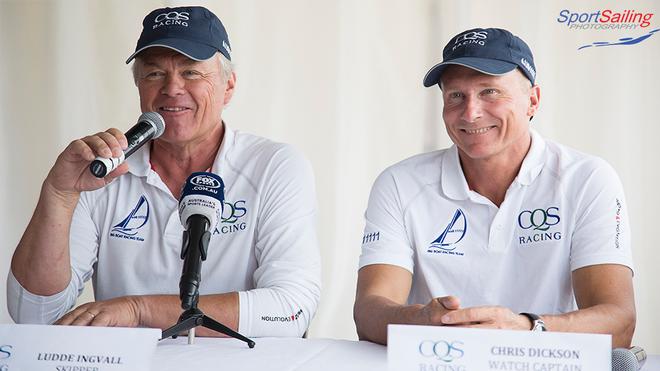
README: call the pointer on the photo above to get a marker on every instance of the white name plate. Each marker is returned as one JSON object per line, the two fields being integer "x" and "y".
{"x": 76, "y": 348}
{"x": 438, "y": 348}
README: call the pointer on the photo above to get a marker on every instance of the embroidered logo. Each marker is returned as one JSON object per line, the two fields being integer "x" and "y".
{"x": 536, "y": 225}
{"x": 451, "y": 235}
{"x": 129, "y": 227}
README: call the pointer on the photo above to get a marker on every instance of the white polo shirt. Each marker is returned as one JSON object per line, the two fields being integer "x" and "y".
{"x": 565, "y": 210}
{"x": 127, "y": 238}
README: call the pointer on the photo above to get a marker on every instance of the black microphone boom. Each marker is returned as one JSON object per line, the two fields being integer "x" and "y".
{"x": 200, "y": 210}
{"x": 150, "y": 126}
{"x": 195, "y": 245}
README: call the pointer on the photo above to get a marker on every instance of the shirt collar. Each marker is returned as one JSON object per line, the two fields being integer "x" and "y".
{"x": 533, "y": 162}
{"x": 453, "y": 180}
{"x": 225, "y": 147}
{"x": 139, "y": 163}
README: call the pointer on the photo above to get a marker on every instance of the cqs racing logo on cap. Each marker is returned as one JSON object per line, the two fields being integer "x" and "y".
{"x": 171, "y": 19}
{"x": 471, "y": 37}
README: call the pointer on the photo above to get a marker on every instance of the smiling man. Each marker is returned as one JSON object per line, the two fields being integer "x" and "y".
{"x": 502, "y": 230}
{"x": 262, "y": 274}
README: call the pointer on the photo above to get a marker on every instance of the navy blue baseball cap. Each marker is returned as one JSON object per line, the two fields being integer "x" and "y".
{"x": 193, "y": 31}
{"x": 492, "y": 51}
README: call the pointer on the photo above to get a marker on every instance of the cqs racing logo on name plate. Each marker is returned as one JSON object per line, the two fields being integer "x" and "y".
{"x": 6, "y": 351}
{"x": 442, "y": 350}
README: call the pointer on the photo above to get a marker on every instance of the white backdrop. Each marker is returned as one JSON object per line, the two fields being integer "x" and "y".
{"x": 341, "y": 80}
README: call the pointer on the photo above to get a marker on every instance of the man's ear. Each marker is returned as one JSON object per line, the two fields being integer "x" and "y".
{"x": 229, "y": 89}
{"x": 534, "y": 100}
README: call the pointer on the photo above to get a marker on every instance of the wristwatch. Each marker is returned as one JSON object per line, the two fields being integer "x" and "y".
{"x": 537, "y": 322}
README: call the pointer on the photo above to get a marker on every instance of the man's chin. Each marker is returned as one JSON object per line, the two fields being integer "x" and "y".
{"x": 477, "y": 151}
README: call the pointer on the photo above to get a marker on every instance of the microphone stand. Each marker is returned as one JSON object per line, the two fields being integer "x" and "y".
{"x": 193, "y": 251}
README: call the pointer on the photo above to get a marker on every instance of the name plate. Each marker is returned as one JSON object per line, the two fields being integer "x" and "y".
{"x": 76, "y": 348}
{"x": 438, "y": 348}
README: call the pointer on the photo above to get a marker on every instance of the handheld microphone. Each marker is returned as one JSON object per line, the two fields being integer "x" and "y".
{"x": 200, "y": 209}
{"x": 150, "y": 125}
{"x": 628, "y": 359}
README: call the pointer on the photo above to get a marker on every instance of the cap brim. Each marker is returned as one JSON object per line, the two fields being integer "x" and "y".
{"x": 190, "y": 49}
{"x": 488, "y": 66}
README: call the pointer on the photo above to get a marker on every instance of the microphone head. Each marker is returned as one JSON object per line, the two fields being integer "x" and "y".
{"x": 624, "y": 359}
{"x": 156, "y": 120}
{"x": 202, "y": 194}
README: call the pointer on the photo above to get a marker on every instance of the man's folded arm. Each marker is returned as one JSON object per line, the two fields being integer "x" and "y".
{"x": 604, "y": 294}
{"x": 382, "y": 292}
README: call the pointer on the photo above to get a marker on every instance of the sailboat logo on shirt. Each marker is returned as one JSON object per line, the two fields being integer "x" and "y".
{"x": 452, "y": 234}
{"x": 136, "y": 219}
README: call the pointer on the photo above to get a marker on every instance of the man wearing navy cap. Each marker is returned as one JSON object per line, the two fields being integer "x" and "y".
{"x": 502, "y": 230}
{"x": 262, "y": 272}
